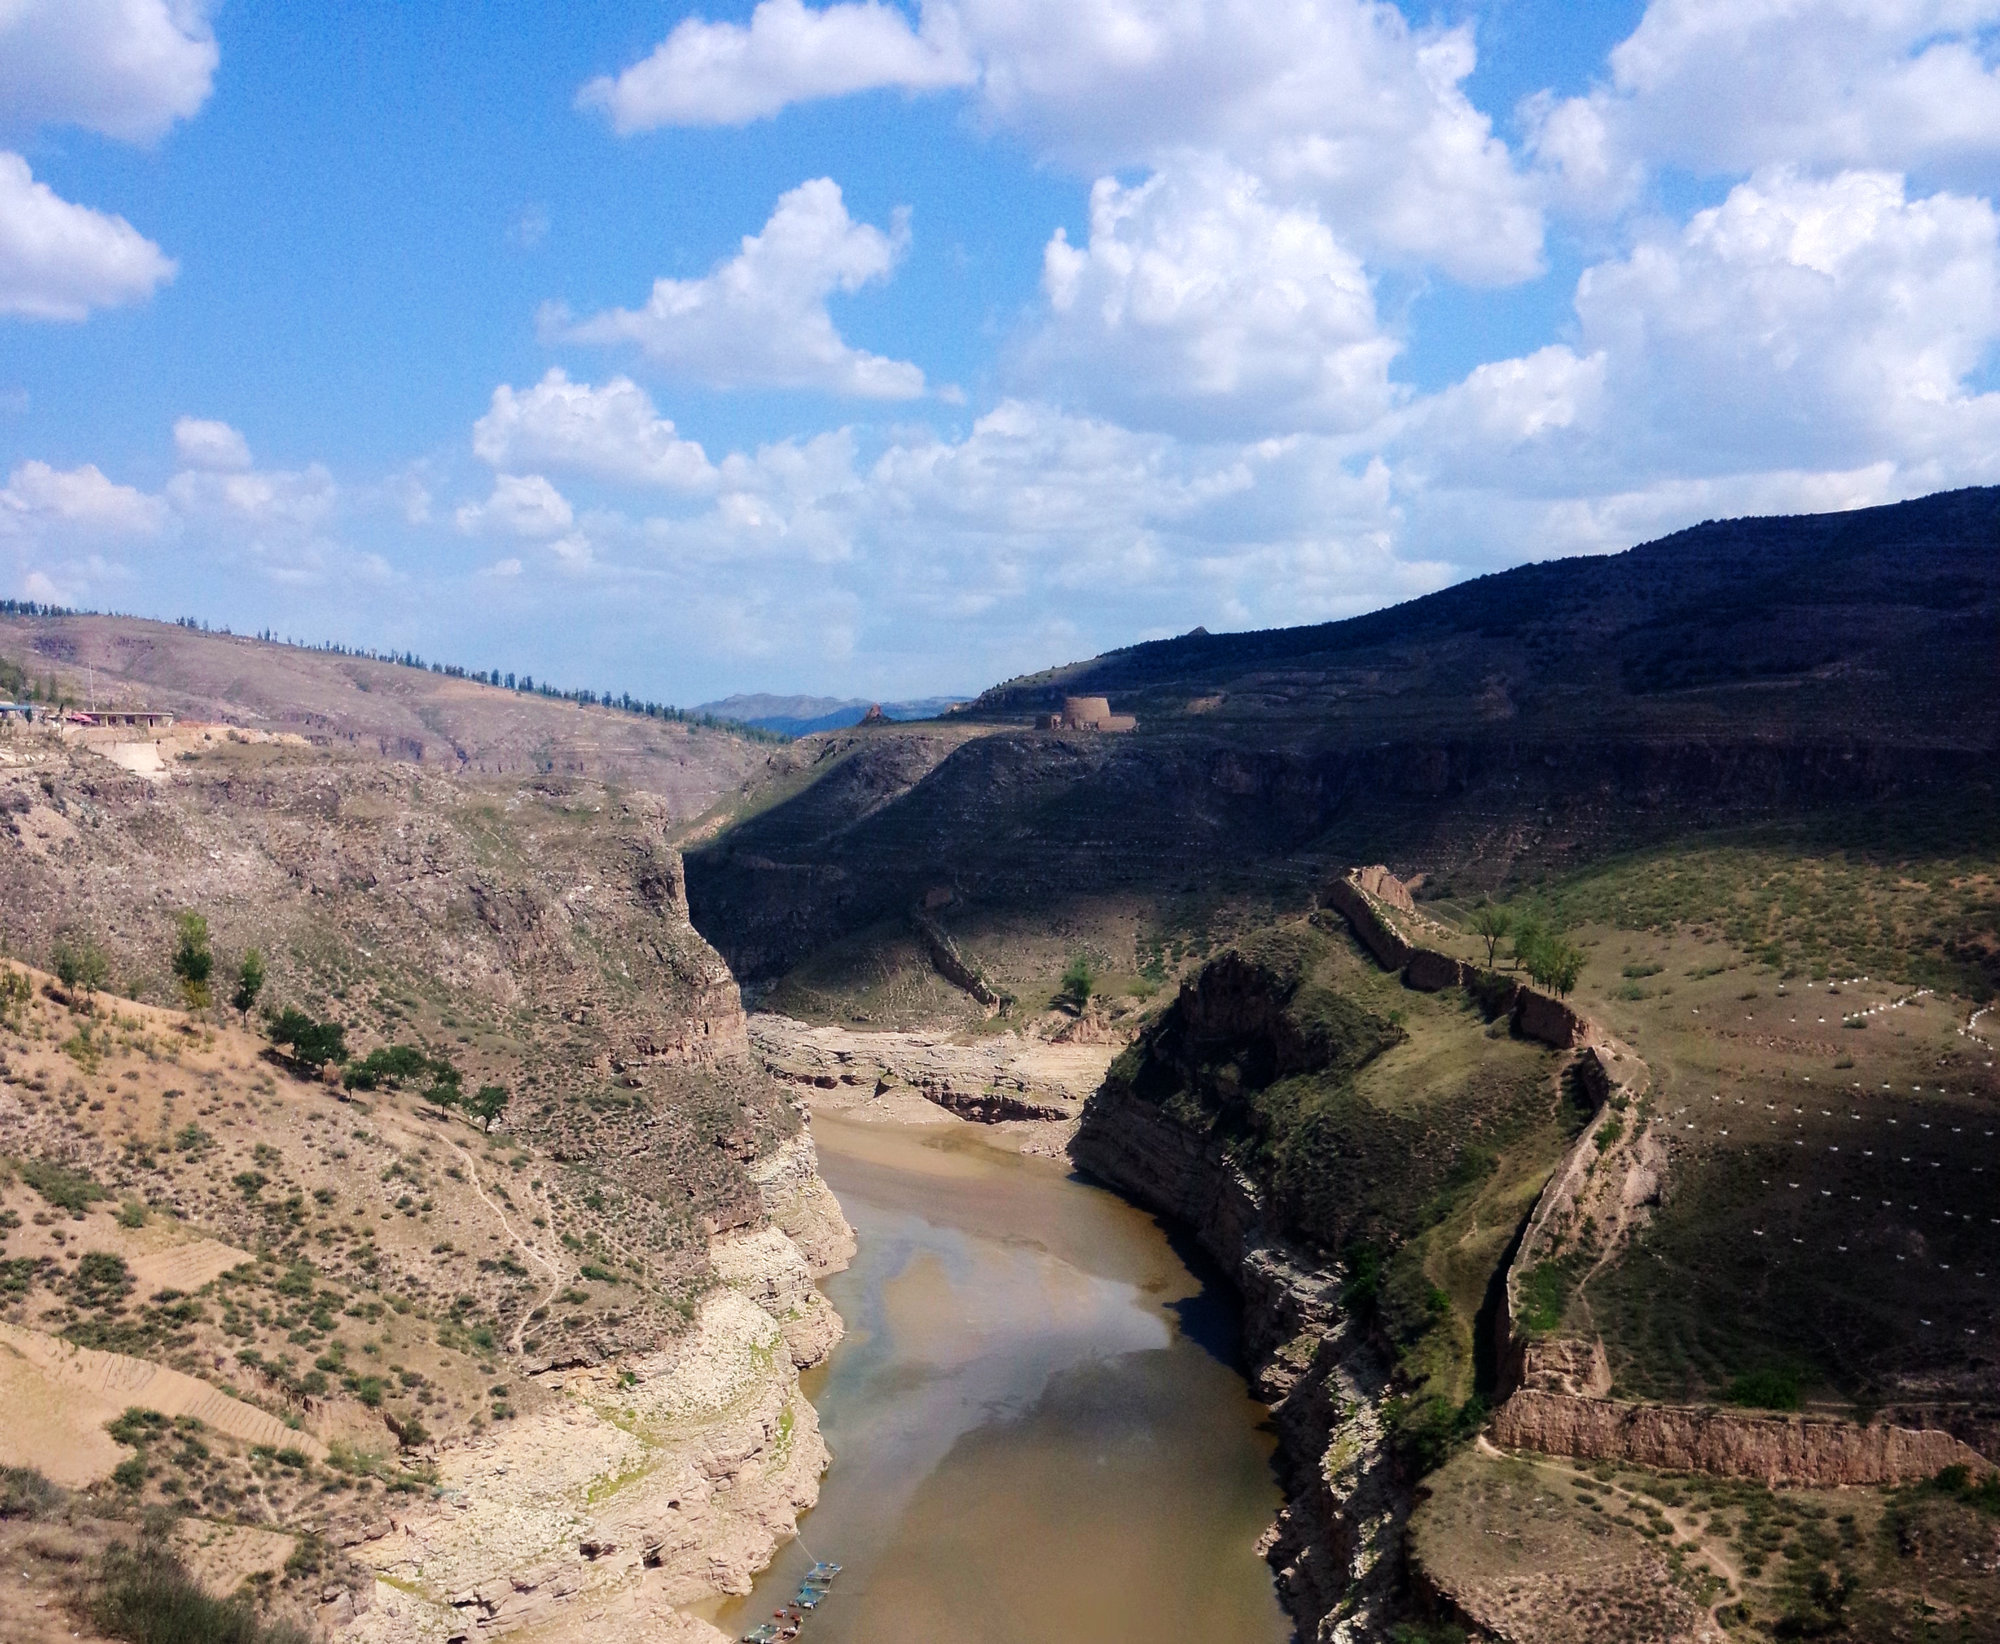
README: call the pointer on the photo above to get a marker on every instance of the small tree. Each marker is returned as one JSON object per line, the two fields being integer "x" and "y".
{"x": 314, "y": 1044}
{"x": 81, "y": 967}
{"x": 487, "y": 1104}
{"x": 1529, "y": 935}
{"x": 249, "y": 982}
{"x": 1490, "y": 923}
{"x": 1556, "y": 963}
{"x": 447, "y": 1086}
{"x": 1079, "y": 981}
{"x": 194, "y": 960}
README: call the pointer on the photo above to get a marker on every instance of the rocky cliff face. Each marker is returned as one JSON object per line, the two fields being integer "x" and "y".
{"x": 1336, "y": 1544}
{"x": 1688, "y": 1439}
{"x": 589, "y": 1321}
{"x": 646, "y": 1485}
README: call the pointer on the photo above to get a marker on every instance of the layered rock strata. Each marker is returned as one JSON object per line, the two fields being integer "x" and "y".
{"x": 1779, "y": 1450}
{"x": 649, "y": 1485}
{"x": 1335, "y": 1544}
{"x": 1006, "y": 1077}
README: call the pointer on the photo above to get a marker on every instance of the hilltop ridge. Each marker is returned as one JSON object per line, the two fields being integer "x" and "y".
{"x": 1734, "y": 674}
{"x": 380, "y": 708}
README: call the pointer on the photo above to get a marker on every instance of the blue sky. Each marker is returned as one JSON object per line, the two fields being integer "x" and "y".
{"x": 988, "y": 333}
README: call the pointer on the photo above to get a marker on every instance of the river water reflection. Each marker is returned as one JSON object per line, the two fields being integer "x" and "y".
{"x": 1038, "y": 1429}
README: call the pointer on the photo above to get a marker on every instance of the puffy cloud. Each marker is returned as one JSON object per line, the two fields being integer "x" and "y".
{"x": 259, "y": 502}
{"x": 967, "y": 556}
{"x": 200, "y": 443}
{"x": 58, "y": 261}
{"x": 57, "y": 526}
{"x": 126, "y": 68}
{"x": 707, "y": 74}
{"x": 1507, "y": 422}
{"x": 1198, "y": 301}
{"x": 1722, "y": 86}
{"x": 1808, "y": 344}
{"x": 760, "y": 320}
{"x": 613, "y": 432}
{"x": 1830, "y": 322}
{"x": 77, "y": 502}
{"x": 1339, "y": 102}
{"x": 522, "y": 505}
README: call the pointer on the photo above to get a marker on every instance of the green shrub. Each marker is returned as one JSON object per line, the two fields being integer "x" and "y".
{"x": 1957, "y": 1481}
{"x": 137, "y": 1426}
{"x": 101, "y": 1280}
{"x": 1766, "y": 1389}
{"x": 66, "y": 1189}
{"x": 313, "y": 1043}
{"x": 145, "y": 1595}
{"x": 193, "y": 961}
{"x": 24, "y": 1493}
{"x": 1079, "y": 981}
{"x": 81, "y": 966}
{"x": 249, "y": 981}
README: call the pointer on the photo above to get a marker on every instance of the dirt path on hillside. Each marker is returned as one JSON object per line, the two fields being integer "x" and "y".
{"x": 558, "y": 1276}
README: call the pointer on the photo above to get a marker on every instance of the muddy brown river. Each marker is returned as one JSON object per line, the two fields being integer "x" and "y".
{"x": 1040, "y": 1433}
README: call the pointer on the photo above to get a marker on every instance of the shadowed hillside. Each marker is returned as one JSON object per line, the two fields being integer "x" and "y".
{"x": 1733, "y": 674}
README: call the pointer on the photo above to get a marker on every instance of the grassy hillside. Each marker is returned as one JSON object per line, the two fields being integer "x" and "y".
{"x": 1400, "y": 1134}
{"x": 1832, "y": 1112}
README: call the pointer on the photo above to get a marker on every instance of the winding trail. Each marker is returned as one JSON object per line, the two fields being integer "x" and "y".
{"x": 558, "y": 1276}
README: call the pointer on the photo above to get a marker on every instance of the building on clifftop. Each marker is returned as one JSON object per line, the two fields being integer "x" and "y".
{"x": 1086, "y": 713}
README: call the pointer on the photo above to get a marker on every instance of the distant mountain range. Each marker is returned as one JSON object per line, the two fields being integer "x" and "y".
{"x": 802, "y": 715}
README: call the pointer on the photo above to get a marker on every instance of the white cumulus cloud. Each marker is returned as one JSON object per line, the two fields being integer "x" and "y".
{"x": 77, "y": 502}
{"x": 271, "y": 502}
{"x": 521, "y": 505}
{"x": 1340, "y": 102}
{"x": 1197, "y": 298}
{"x": 202, "y": 443}
{"x": 1731, "y": 86}
{"x": 612, "y": 431}
{"x": 760, "y": 319}
{"x": 125, "y": 68}
{"x": 58, "y": 261}
{"x": 1825, "y": 321}
{"x": 726, "y": 73}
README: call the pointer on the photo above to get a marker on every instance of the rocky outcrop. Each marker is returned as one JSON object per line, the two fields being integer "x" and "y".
{"x": 645, "y": 1486}
{"x": 1011, "y": 1076}
{"x": 950, "y": 963}
{"x": 1335, "y": 1545}
{"x": 1794, "y": 1450}
{"x": 799, "y": 1201}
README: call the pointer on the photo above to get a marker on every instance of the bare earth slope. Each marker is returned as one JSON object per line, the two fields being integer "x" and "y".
{"x": 563, "y": 1346}
{"x": 382, "y": 708}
